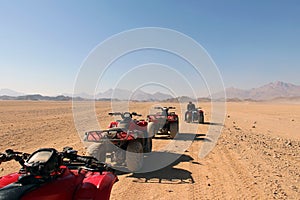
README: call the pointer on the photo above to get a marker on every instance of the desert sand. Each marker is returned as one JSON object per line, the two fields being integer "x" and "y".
{"x": 256, "y": 156}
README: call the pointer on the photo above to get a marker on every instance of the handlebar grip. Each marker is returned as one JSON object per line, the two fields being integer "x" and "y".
{"x": 84, "y": 160}
{"x": 114, "y": 113}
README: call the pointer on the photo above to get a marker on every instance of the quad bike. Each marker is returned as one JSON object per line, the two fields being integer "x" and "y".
{"x": 49, "y": 174}
{"x": 125, "y": 140}
{"x": 196, "y": 115}
{"x": 163, "y": 123}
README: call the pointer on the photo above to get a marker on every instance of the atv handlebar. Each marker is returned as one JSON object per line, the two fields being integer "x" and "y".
{"x": 123, "y": 113}
{"x": 162, "y": 108}
{"x": 71, "y": 154}
{"x": 89, "y": 162}
{"x": 13, "y": 155}
{"x": 84, "y": 162}
{"x": 115, "y": 113}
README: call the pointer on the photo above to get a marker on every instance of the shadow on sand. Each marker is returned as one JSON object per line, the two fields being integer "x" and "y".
{"x": 159, "y": 167}
{"x": 185, "y": 137}
{"x": 168, "y": 174}
{"x": 213, "y": 123}
{"x": 207, "y": 123}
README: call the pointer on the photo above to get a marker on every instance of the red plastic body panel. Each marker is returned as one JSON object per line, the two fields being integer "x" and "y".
{"x": 142, "y": 123}
{"x": 61, "y": 188}
{"x": 8, "y": 179}
{"x": 96, "y": 186}
{"x": 159, "y": 116}
{"x": 113, "y": 124}
{"x": 70, "y": 185}
{"x": 172, "y": 118}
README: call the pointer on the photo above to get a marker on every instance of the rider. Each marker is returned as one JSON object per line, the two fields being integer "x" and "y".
{"x": 190, "y": 107}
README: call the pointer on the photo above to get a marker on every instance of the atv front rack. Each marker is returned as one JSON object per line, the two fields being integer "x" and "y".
{"x": 112, "y": 135}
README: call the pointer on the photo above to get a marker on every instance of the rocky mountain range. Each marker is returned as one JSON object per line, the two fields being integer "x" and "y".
{"x": 269, "y": 91}
{"x": 9, "y": 92}
{"x": 275, "y": 90}
{"x": 139, "y": 95}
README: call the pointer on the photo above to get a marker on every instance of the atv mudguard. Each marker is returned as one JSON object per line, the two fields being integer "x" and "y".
{"x": 96, "y": 186}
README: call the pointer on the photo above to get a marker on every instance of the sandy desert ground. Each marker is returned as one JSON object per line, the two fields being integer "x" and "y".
{"x": 256, "y": 156}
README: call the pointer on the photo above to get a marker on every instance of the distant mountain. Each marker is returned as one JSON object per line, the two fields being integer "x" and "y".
{"x": 138, "y": 95}
{"x": 180, "y": 99}
{"x": 161, "y": 96}
{"x": 38, "y": 97}
{"x": 114, "y": 94}
{"x": 9, "y": 92}
{"x": 79, "y": 95}
{"x": 266, "y": 92}
{"x": 119, "y": 94}
{"x": 275, "y": 90}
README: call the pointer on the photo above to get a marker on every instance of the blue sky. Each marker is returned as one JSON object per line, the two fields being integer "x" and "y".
{"x": 44, "y": 43}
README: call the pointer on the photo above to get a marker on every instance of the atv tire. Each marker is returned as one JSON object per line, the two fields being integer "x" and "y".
{"x": 189, "y": 118}
{"x": 152, "y": 129}
{"x": 134, "y": 156}
{"x": 201, "y": 118}
{"x": 148, "y": 145}
{"x": 173, "y": 129}
{"x": 97, "y": 150}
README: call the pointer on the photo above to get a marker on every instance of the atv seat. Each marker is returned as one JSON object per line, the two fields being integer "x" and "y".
{"x": 16, "y": 190}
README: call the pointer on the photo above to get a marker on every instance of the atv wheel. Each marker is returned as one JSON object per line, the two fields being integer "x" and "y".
{"x": 148, "y": 145}
{"x": 173, "y": 129}
{"x": 201, "y": 118}
{"x": 134, "y": 155}
{"x": 98, "y": 151}
{"x": 189, "y": 118}
{"x": 152, "y": 129}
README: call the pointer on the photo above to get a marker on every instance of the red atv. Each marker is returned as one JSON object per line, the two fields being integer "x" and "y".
{"x": 49, "y": 174}
{"x": 125, "y": 140}
{"x": 196, "y": 115}
{"x": 163, "y": 122}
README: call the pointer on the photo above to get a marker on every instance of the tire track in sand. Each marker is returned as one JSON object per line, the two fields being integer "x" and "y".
{"x": 221, "y": 175}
